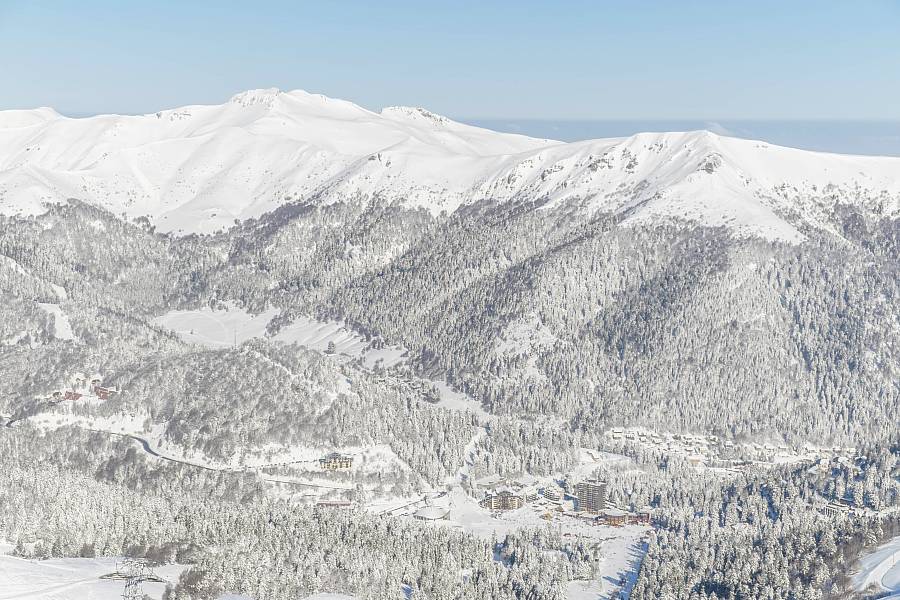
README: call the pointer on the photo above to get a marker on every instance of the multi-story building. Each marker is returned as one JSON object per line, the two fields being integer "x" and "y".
{"x": 335, "y": 461}
{"x": 503, "y": 500}
{"x": 591, "y": 495}
{"x": 552, "y": 493}
{"x": 614, "y": 517}
{"x": 836, "y": 509}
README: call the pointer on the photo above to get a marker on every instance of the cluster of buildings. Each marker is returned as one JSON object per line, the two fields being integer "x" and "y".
{"x": 841, "y": 509}
{"x": 586, "y": 499}
{"x": 712, "y": 451}
{"x": 591, "y": 502}
{"x": 696, "y": 449}
{"x": 508, "y": 495}
{"x": 81, "y": 386}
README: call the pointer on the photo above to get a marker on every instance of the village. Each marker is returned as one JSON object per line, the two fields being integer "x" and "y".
{"x": 583, "y": 498}
{"x": 721, "y": 455}
{"x": 573, "y": 497}
{"x": 82, "y": 387}
{"x": 577, "y": 502}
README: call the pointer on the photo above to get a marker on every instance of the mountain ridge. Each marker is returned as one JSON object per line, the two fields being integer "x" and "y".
{"x": 201, "y": 168}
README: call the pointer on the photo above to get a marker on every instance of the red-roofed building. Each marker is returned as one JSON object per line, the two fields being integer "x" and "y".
{"x": 104, "y": 392}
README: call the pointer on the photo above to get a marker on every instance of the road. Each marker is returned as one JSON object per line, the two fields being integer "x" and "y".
{"x": 145, "y": 445}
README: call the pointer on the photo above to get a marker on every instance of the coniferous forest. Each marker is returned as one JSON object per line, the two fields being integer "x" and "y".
{"x": 561, "y": 328}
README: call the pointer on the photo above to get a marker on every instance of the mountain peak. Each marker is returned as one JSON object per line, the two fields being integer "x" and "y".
{"x": 415, "y": 113}
{"x": 264, "y": 96}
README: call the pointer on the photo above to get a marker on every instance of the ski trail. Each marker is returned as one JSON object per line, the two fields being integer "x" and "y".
{"x": 39, "y": 594}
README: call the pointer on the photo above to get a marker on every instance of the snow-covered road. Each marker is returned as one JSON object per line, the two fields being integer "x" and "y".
{"x": 156, "y": 453}
{"x": 881, "y": 570}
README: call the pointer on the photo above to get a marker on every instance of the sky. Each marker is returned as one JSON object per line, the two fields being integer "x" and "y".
{"x": 504, "y": 60}
{"x": 581, "y": 69}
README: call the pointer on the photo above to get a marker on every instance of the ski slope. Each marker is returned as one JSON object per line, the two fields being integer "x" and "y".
{"x": 198, "y": 169}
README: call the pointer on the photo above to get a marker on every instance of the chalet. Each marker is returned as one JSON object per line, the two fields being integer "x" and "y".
{"x": 335, "y": 461}
{"x": 104, "y": 392}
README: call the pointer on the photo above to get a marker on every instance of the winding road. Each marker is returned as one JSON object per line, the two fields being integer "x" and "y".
{"x": 145, "y": 445}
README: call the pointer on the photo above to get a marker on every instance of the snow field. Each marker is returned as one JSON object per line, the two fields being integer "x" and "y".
{"x": 69, "y": 578}
{"x": 80, "y": 579}
{"x": 62, "y": 329}
{"x": 223, "y": 328}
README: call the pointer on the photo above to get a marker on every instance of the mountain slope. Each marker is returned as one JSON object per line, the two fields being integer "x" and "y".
{"x": 197, "y": 169}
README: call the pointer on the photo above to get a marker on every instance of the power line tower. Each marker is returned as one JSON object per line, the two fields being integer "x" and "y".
{"x": 133, "y": 589}
{"x": 135, "y": 572}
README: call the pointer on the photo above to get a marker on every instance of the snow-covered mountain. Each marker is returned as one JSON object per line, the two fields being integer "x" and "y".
{"x": 200, "y": 168}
